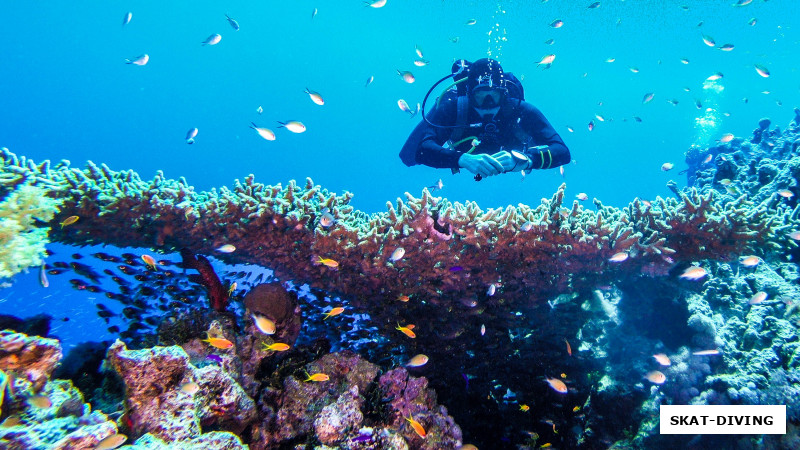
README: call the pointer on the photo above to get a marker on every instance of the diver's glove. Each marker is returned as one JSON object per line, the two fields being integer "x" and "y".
{"x": 480, "y": 164}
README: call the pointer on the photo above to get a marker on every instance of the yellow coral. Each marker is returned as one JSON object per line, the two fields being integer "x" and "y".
{"x": 22, "y": 242}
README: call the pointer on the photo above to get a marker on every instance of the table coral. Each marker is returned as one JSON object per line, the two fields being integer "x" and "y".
{"x": 453, "y": 251}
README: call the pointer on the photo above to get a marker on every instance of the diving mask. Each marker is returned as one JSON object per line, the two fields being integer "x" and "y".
{"x": 487, "y": 97}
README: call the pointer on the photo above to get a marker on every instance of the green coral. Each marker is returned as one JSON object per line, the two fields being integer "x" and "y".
{"x": 22, "y": 241}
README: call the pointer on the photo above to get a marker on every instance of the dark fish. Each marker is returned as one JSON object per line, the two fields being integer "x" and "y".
{"x": 77, "y": 256}
{"x": 109, "y": 272}
{"x": 94, "y": 289}
{"x": 101, "y": 306}
{"x": 125, "y": 290}
{"x": 105, "y": 314}
{"x": 77, "y": 284}
{"x": 85, "y": 271}
{"x": 127, "y": 270}
{"x": 61, "y": 265}
{"x": 102, "y": 256}
{"x": 140, "y": 277}
{"x": 147, "y": 291}
{"x": 113, "y": 329}
{"x": 130, "y": 312}
{"x": 130, "y": 256}
{"x": 55, "y": 271}
{"x": 152, "y": 320}
{"x": 136, "y": 326}
{"x": 119, "y": 280}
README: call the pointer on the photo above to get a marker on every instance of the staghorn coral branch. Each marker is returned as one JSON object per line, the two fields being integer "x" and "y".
{"x": 453, "y": 251}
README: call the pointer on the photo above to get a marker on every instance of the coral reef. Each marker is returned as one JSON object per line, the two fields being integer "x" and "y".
{"x": 170, "y": 398}
{"x": 39, "y": 413}
{"x": 32, "y": 358}
{"x": 337, "y": 412}
{"x": 516, "y": 283}
{"x": 22, "y": 240}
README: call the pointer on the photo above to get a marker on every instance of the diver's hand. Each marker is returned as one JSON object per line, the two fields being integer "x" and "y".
{"x": 505, "y": 158}
{"x": 480, "y": 164}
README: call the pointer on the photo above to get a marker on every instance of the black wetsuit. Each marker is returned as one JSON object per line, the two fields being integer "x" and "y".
{"x": 516, "y": 123}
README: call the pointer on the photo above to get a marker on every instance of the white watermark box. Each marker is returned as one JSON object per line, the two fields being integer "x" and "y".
{"x": 723, "y": 419}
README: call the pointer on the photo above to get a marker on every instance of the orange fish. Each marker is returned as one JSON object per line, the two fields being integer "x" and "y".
{"x": 785, "y": 193}
{"x": 795, "y": 235}
{"x": 417, "y": 427}
{"x": 220, "y": 343}
{"x": 662, "y": 359}
{"x": 327, "y": 262}
{"x": 417, "y": 361}
{"x": 727, "y": 137}
{"x": 524, "y": 407}
{"x": 407, "y": 330}
{"x": 749, "y": 261}
{"x": 317, "y": 377}
{"x": 334, "y": 312}
{"x": 656, "y": 377}
{"x": 569, "y": 348}
{"x": 403, "y": 298}
{"x": 190, "y": 388}
{"x": 69, "y": 221}
{"x": 557, "y": 385}
{"x": 40, "y": 401}
{"x": 276, "y": 347}
{"x": 619, "y": 257}
{"x": 111, "y": 442}
{"x": 151, "y": 263}
{"x": 264, "y": 324}
{"x": 693, "y": 273}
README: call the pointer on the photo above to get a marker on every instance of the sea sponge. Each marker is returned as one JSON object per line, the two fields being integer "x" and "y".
{"x": 22, "y": 241}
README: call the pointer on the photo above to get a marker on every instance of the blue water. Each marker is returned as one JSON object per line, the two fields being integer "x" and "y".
{"x": 68, "y": 94}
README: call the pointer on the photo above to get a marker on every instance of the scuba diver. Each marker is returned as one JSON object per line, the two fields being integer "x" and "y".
{"x": 483, "y": 124}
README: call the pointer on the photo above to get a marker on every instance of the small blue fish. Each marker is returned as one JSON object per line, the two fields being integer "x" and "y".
{"x": 234, "y": 24}
{"x": 215, "y": 358}
{"x": 456, "y": 269}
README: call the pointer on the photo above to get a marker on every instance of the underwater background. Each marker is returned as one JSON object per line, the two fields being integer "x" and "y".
{"x": 68, "y": 94}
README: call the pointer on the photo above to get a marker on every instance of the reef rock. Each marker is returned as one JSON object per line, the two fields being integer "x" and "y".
{"x": 162, "y": 400}
{"x": 32, "y": 358}
{"x": 215, "y": 440}
{"x": 410, "y": 398}
{"x": 353, "y": 409}
{"x": 40, "y": 414}
{"x": 338, "y": 418}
